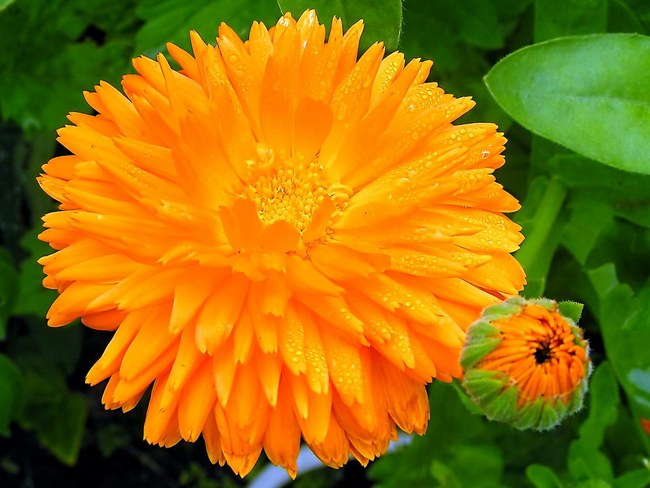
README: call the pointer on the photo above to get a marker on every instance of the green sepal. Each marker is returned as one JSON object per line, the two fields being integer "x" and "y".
{"x": 503, "y": 407}
{"x": 571, "y": 310}
{"x": 576, "y": 400}
{"x": 474, "y": 351}
{"x": 483, "y": 386}
{"x": 502, "y": 310}
{"x": 482, "y": 328}
{"x": 528, "y": 416}
{"x": 552, "y": 413}
{"x": 547, "y": 303}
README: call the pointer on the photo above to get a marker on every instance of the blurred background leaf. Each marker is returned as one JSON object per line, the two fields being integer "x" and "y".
{"x": 10, "y": 392}
{"x": 66, "y": 46}
{"x": 171, "y": 21}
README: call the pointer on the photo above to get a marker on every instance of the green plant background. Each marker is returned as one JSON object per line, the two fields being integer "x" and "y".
{"x": 568, "y": 81}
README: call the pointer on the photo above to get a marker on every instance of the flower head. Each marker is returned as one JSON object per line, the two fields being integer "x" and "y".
{"x": 289, "y": 242}
{"x": 526, "y": 364}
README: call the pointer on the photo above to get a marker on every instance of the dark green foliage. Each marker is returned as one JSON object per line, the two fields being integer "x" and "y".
{"x": 587, "y": 227}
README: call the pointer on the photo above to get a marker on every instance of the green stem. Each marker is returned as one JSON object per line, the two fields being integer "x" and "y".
{"x": 544, "y": 221}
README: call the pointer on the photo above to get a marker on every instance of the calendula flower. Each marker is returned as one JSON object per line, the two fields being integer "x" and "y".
{"x": 526, "y": 363}
{"x": 289, "y": 242}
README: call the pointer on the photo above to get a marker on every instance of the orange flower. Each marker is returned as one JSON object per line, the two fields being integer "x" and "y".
{"x": 526, "y": 364}
{"x": 287, "y": 241}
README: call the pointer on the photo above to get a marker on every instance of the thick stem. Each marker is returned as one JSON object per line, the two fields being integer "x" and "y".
{"x": 544, "y": 221}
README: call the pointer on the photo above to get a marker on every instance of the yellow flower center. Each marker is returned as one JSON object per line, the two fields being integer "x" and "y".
{"x": 291, "y": 193}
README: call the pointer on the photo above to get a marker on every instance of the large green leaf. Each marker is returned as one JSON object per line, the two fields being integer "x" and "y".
{"x": 588, "y": 93}
{"x": 382, "y": 18}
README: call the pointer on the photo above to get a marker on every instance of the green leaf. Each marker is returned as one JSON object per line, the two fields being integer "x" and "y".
{"x": 606, "y": 193}
{"x": 558, "y": 18}
{"x": 382, "y": 18}
{"x": 172, "y": 20}
{"x": 603, "y": 406}
{"x": 5, "y": 3}
{"x": 604, "y": 279}
{"x": 56, "y": 415}
{"x": 587, "y": 222}
{"x": 477, "y": 22}
{"x": 111, "y": 438}
{"x": 543, "y": 477}
{"x": 625, "y": 328}
{"x": 444, "y": 475}
{"x": 587, "y": 93}
{"x": 62, "y": 435}
{"x": 639, "y": 478}
{"x": 572, "y": 310}
{"x": 586, "y": 461}
{"x": 10, "y": 392}
{"x": 61, "y": 59}
{"x": 621, "y": 18}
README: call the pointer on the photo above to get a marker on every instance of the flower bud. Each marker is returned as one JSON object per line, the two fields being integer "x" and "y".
{"x": 527, "y": 364}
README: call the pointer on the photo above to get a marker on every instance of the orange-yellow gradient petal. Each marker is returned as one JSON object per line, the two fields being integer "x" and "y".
{"x": 288, "y": 239}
